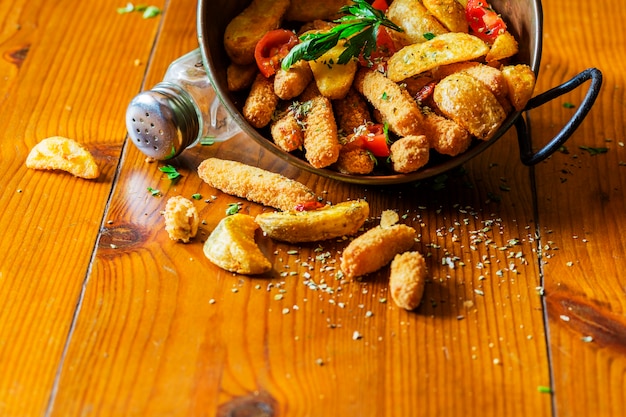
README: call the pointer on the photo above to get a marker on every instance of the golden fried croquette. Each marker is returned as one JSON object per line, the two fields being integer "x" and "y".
{"x": 470, "y": 103}
{"x": 394, "y": 103}
{"x": 351, "y": 112}
{"x": 247, "y": 28}
{"x": 408, "y": 273}
{"x": 292, "y": 82}
{"x": 321, "y": 142}
{"x": 376, "y": 248}
{"x": 410, "y": 153}
{"x": 255, "y": 184}
{"x": 261, "y": 102}
{"x": 446, "y": 136}
{"x": 64, "y": 154}
{"x": 240, "y": 77}
{"x": 287, "y": 132}
{"x": 355, "y": 160}
{"x": 181, "y": 219}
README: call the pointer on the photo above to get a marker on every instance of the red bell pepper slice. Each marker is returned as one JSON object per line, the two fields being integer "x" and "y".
{"x": 272, "y": 48}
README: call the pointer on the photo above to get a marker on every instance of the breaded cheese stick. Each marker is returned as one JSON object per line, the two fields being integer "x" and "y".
{"x": 261, "y": 102}
{"x": 291, "y": 83}
{"x": 407, "y": 279}
{"x": 351, "y": 112}
{"x": 376, "y": 248}
{"x": 255, "y": 184}
{"x": 395, "y": 104}
{"x": 321, "y": 144}
{"x": 287, "y": 132}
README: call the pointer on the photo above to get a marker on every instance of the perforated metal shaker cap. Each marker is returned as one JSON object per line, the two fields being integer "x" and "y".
{"x": 162, "y": 122}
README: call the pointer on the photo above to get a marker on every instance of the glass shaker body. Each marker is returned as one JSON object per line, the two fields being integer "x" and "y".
{"x": 179, "y": 111}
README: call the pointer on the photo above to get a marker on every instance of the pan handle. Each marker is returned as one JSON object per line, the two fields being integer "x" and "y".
{"x": 523, "y": 136}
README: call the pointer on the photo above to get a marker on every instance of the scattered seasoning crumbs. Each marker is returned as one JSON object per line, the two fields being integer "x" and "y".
{"x": 278, "y": 297}
{"x": 292, "y": 252}
{"x": 285, "y": 310}
{"x": 113, "y": 246}
{"x": 587, "y": 339}
{"x": 319, "y": 362}
{"x": 356, "y": 335}
{"x": 212, "y": 301}
{"x": 544, "y": 389}
{"x": 479, "y": 292}
{"x": 564, "y": 317}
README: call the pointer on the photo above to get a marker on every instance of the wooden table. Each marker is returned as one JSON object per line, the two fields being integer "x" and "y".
{"x": 102, "y": 314}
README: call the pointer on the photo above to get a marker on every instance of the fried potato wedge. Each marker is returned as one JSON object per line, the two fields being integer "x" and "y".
{"x": 232, "y": 247}
{"x": 449, "y": 12}
{"x": 470, "y": 103}
{"x": 521, "y": 84}
{"x": 505, "y": 46}
{"x": 415, "y": 19}
{"x": 65, "y": 154}
{"x": 444, "y": 49}
{"x": 247, "y": 28}
{"x": 328, "y": 222}
{"x": 333, "y": 80}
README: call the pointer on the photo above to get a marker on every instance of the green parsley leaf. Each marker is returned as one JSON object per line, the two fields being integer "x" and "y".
{"x": 593, "y": 151}
{"x": 207, "y": 141}
{"x": 196, "y": 196}
{"x": 129, "y": 8}
{"x": 171, "y": 172}
{"x": 154, "y": 191}
{"x": 429, "y": 36}
{"x": 359, "y": 27}
{"x": 233, "y": 208}
{"x": 151, "y": 11}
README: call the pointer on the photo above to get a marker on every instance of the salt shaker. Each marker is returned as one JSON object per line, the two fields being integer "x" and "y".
{"x": 178, "y": 112}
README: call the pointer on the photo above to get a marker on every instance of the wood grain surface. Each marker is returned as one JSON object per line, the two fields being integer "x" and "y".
{"x": 102, "y": 314}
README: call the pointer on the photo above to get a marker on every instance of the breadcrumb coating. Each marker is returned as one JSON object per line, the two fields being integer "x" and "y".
{"x": 255, "y": 184}
{"x": 181, "y": 219}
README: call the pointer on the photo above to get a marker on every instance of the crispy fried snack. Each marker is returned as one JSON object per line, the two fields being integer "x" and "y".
{"x": 521, "y": 83}
{"x": 328, "y": 222}
{"x": 181, "y": 219}
{"x": 321, "y": 143}
{"x": 246, "y": 29}
{"x": 415, "y": 19}
{"x": 395, "y": 104}
{"x": 355, "y": 160}
{"x": 470, "y": 103}
{"x": 351, "y": 112}
{"x": 305, "y": 11}
{"x": 261, "y": 102}
{"x": 407, "y": 279}
{"x": 240, "y": 77}
{"x": 376, "y": 248}
{"x": 444, "y": 49}
{"x": 232, "y": 247}
{"x": 65, "y": 154}
{"x": 287, "y": 132}
{"x": 409, "y": 153}
{"x": 255, "y": 184}
{"x": 446, "y": 136}
{"x": 292, "y": 82}
{"x": 449, "y": 12}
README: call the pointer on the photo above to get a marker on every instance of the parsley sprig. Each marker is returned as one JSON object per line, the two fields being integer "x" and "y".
{"x": 359, "y": 26}
{"x": 170, "y": 171}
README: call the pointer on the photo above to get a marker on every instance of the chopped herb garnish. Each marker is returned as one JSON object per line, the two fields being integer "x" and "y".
{"x": 569, "y": 105}
{"x": 171, "y": 172}
{"x": 127, "y": 9}
{"x": 196, "y": 196}
{"x": 429, "y": 36}
{"x": 544, "y": 389}
{"x": 151, "y": 11}
{"x": 154, "y": 191}
{"x": 207, "y": 141}
{"x": 233, "y": 208}
{"x": 359, "y": 27}
{"x": 385, "y": 96}
{"x": 594, "y": 151}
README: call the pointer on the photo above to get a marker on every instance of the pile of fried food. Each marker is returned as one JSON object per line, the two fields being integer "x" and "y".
{"x": 302, "y": 218}
{"x": 438, "y": 78}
